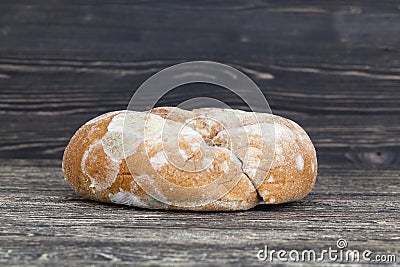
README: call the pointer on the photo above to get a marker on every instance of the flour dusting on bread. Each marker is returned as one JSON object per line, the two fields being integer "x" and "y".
{"x": 159, "y": 159}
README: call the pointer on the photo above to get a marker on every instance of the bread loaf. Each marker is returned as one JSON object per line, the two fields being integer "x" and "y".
{"x": 204, "y": 159}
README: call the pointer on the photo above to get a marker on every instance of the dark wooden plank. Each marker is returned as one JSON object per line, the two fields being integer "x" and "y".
{"x": 44, "y": 222}
{"x": 333, "y": 67}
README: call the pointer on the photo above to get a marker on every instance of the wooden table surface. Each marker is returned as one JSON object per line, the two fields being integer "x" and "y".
{"x": 334, "y": 67}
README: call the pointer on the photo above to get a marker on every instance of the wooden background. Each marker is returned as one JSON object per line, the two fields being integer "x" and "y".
{"x": 334, "y": 67}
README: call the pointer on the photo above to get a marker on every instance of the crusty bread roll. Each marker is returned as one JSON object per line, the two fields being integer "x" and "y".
{"x": 205, "y": 159}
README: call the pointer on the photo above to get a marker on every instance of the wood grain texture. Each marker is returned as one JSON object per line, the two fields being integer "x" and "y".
{"x": 334, "y": 67}
{"x": 45, "y": 222}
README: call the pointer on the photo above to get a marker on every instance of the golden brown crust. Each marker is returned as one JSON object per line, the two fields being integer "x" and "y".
{"x": 96, "y": 166}
{"x": 87, "y": 135}
{"x": 286, "y": 175}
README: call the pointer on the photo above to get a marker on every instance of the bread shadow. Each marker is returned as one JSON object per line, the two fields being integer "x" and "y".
{"x": 88, "y": 203}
